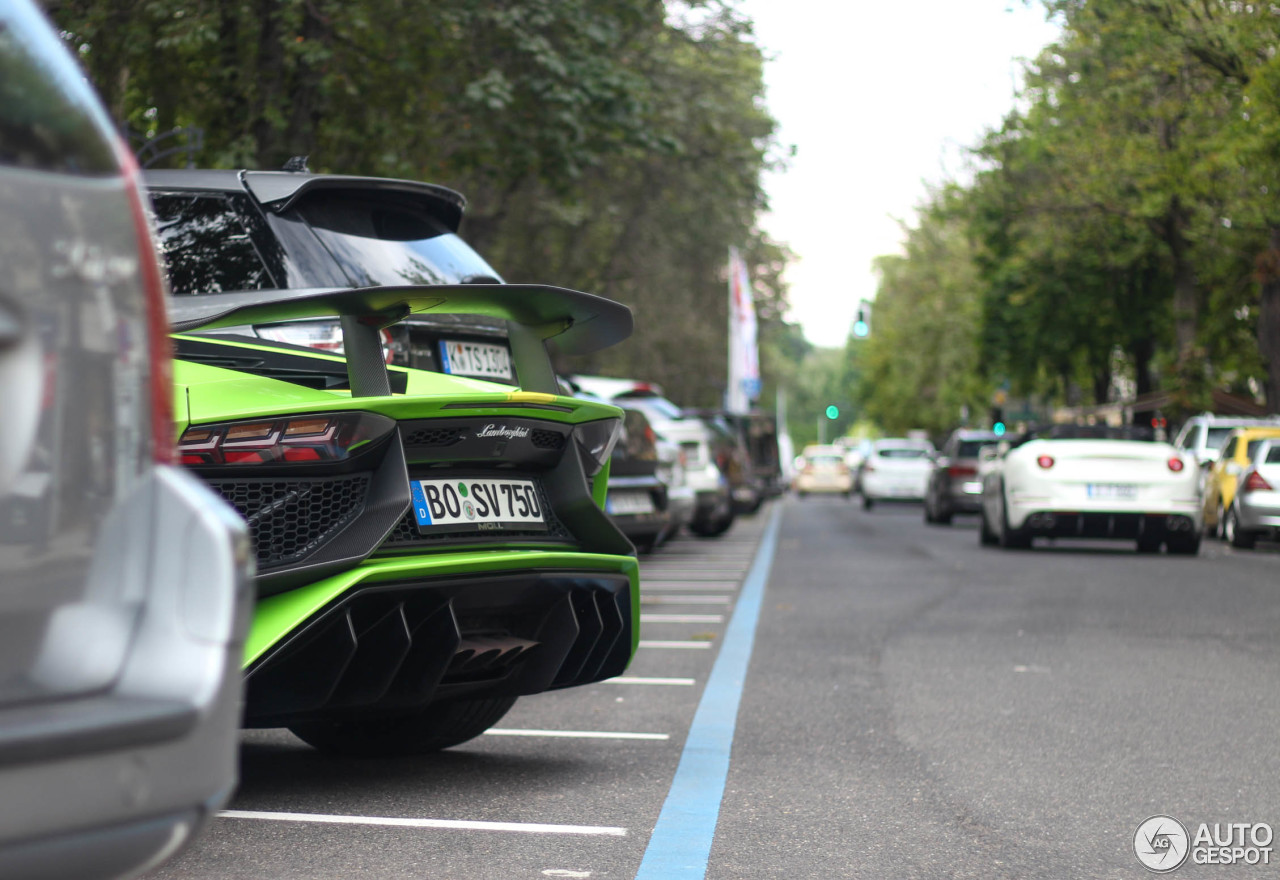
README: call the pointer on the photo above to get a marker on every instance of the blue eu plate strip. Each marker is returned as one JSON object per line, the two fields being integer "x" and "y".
{"x": 420, "y": 511}
{"x": 681, "y": 842}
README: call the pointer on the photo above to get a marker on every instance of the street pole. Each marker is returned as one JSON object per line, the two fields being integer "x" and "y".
{"x": 822, "y": 430}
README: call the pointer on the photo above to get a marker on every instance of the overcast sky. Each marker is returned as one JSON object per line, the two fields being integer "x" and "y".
{"x": 879, "y": 98}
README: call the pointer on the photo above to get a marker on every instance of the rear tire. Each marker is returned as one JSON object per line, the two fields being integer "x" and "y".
{"x": 867, "y": 503}
{"x": 439, "y": 727}
{"x": 1183, "y": 545}
{"x": 712, "y": 528}
{"x": 1010, "y": 538}
{"x": 986, "y": 537}
{"x": 1242, "y": 539}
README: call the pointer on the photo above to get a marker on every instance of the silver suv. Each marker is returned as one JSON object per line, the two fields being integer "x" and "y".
{"x": 124, "y": 582}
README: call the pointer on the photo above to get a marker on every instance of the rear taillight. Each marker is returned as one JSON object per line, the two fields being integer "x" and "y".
{"x": 1045, "y": 461}
{"x": 1176, "y": 464}
{"x": 957, "y": 472}
{"x": 160, "y": 386}
{"x": 282, "y": 440}
{"x": 1255, "y": 483}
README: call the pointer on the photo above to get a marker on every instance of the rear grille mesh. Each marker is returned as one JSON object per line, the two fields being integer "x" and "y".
{"x": 289, "y": 519}
{"x": 547, "y": 439}
{"x": 433, "y": 437}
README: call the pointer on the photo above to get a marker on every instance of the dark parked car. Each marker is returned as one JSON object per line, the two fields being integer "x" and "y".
{"x": 124, "y": 581}
{"x": 954, "y": 485}
{"x": 637, "y": 501}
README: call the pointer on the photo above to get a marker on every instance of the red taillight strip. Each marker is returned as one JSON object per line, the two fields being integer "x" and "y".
{"x": 1255, "y": 482}
{"x": 164, "y": 450}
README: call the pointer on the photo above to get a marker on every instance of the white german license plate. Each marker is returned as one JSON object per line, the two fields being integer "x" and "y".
{"x": 628, "y": 502}
{"x": 475, "y": 359}
{"x": 1111, "y": 490}
{"x": 476, "y": 505}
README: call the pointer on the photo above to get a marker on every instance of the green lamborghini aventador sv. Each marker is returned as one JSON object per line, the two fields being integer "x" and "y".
{"x": 430, "y": 545}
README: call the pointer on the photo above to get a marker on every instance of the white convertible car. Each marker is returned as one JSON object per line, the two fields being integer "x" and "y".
{"x": 1069, "y": 481}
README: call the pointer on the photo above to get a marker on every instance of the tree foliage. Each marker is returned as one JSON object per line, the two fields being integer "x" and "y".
{"x": 611, "y": 145}
{"x": 1123, "y": 232}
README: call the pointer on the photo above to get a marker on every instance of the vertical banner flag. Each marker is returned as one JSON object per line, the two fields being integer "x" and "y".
{"x": 744, "y": 363}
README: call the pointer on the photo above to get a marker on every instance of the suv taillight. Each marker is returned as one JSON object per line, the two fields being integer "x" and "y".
{"x": 161, "y": 361}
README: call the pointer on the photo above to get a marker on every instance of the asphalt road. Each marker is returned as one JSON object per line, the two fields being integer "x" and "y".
{"x": 914, "y": 706}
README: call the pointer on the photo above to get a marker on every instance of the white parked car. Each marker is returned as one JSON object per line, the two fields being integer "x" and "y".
{"x": 895, "y": 468}
{"x": 1069, "y": 481}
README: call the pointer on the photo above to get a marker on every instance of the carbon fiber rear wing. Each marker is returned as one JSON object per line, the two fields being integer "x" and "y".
{"x": 579, "y": 322}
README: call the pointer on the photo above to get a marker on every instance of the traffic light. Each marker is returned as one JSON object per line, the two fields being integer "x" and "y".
{"x": 833, "y": 412}
{"x": 861, "y": 326}
{"x": 997, "y": 421}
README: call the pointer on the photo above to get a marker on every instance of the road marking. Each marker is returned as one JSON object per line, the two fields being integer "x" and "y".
{"x": 660, "y": 644}
{"x": 681, "y": 841}
{"x": 575, "y": 734}
{"x": 635, "y": 679}
{"x": 661, "y": 585}
{"x": 682, "y": 618}
{"x": 684, "y": 600}
{"x": 456, "y": 824}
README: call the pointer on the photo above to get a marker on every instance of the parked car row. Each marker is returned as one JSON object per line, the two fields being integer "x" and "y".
{"x": 715, "y": 466}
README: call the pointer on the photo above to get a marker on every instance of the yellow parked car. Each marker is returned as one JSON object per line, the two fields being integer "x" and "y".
{"x": 1220, "y": 487}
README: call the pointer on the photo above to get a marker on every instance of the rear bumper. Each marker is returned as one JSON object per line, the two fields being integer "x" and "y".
{"x": 876, "y": 486}
{"x": 1258, "y": 511}
{"x": 1103, "y": 520}
{"x": 394, "y": 636}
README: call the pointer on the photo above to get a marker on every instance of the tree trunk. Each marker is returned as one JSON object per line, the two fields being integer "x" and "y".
{"x": 1268, "y": 265}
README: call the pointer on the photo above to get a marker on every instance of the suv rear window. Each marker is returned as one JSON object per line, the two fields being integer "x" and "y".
{"x": 971, "y": 448}
{"x": 48, "y": 119}
{"x": 380, "y": 241}
{"x": 206, "y": 245}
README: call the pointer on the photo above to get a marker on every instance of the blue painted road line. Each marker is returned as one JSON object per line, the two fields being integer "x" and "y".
{"x": 681, "y": 842}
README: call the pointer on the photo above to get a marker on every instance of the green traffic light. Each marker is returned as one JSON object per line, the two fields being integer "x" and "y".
{"x": 833, "y": 412}
{"x": 998, "y": 428}
{"x": 860, "y": 329}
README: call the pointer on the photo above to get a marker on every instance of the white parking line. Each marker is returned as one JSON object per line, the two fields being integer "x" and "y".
{"x": 675, "y": 645}
{"x": 630, "y": 679}
{"x": 682, "y": 618}
{"x": 456, "y": 824}
{"x": 648, "y": 584}
{"x": 575, "y": 734}
{"x": 684, "y": 600}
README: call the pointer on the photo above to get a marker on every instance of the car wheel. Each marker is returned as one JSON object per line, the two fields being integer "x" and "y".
{"x": 712, "y": 527}
{"x": 1231, "y": 531}
{"x": 1219, "y": 524}
{"x": 1011, "y": 538}
{"x": 986, "y": 537}
{"x": 929, "y": 518}
{"x": 943, "y": 517}
{"x": 1183, "y": 545}
{"x": 867, "y": 503}
{"x": 439, "y": 727}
